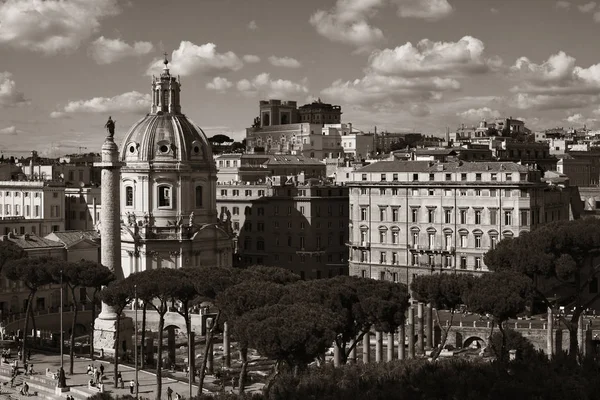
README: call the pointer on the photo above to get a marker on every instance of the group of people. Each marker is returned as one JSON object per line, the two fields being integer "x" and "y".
{"x": 24, "y": 389}
{"x": 97, "y": 374}
{"x": 170, "y": 394}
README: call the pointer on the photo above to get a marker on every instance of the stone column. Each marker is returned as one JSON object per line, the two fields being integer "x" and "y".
{"x": 226, "y": 346}
{"x": 171, "y": 345}
{"x": 336, "y": 356}
{"x": 411, "y": 332}
{"x": 581, "y": 335}
{"x": 366, "y": 348}
{"x": 401, "y": 340}
{"x": 549, "y": 334}
{"x": 352, "y": 355}
{"x": 192, "y": 357}
{"x": 105, "y": 325}
{"x": 390, "y": 346}
{"x": 421, "y": 329}
{"x": 429, "y": 334}
{"x": 378, "y": 346}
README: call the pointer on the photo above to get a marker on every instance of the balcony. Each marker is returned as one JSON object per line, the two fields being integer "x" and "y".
{"x": 360, "y": 245}
{"x": 415, "y": 248}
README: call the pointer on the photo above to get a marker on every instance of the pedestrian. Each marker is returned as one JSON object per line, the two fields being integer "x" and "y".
{"x": 30, "y": 369}
{"x": 177, "y": 396}
{"x": 131, "y": 386}
{"x": 98, "y": 376}
{"x": 169, "y": 393}
{"x": 101, "y": 369}
{"x": 28, "y": 355}
{"x": 89, "y": 370}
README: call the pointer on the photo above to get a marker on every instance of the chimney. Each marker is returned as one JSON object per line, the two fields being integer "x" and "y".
{"x": 32, "y": 164}
{"x": 376, "y": 130}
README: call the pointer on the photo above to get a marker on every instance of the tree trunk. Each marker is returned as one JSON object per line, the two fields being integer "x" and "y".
{"x": 490, "y": 342}
{"x": 503, "y": 344}
{"x": 92, "y": 327}
{"x": 243, "y": 371}
{"x": 191, "y": 364}
{"x": 24, "y": 345}
{"x": 161, "y": 326}
{"x": 117, "y": 339}
{"x": 73, "y": 323}
{"x": 208, "y": 345}
{"x": 271, "y": 379}
{"x": 345, "y": 355}
{"x": 436, "y": 351}
{"x": 33, "y": 323}
{"x": 573, "y": 339}
{"x": 143, "y": 343}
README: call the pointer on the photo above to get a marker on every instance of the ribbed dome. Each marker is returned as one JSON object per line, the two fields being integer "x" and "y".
{"x": 165, "y": 137}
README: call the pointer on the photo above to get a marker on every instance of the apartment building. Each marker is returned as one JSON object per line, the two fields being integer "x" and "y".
{"x": 36, "y": 207}
{"x": 290, "y": 223}
{"x": 416, "y": 217}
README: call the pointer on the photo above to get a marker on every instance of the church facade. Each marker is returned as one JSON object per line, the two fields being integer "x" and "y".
{"x": 168, "y": 190}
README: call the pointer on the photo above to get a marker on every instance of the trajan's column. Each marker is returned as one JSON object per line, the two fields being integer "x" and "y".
{"x": 110, "y": 245}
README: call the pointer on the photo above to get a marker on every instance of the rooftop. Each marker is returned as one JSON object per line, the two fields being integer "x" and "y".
{"x": 428, "y": 166}
{"x": 30, "y": 241}
{"x": 68, "y": 238}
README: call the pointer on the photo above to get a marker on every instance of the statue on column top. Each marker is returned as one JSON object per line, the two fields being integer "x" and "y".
{"x": 110, "y": 127}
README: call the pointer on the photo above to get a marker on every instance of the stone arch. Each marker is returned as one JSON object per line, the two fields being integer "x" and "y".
{"x": 474, "y": 339}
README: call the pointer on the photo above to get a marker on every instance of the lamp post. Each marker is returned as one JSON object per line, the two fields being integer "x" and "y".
{"x": 135, "y": 341}
{"x": 61, "y": 320}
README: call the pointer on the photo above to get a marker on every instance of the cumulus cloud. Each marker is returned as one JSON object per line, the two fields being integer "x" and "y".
{"x": 10, "y": 130}
{"x": 556, "y": 81}
{"x": 428, "y": 58}
{"x": 52, "y": 26}
{"x": 263, "y": 85}
{"x": 287, "y": 62}
{"x": 565, "y": 5}
{"x": 107, "y": 51}
{"x": 525, "y": 101}
{"x": 190, "y": 58}
{"x": 251, "y": 58}
{"x": 133, "y": 102}
{"x": 9, "y": 95}
{"x": 588, "y": 7}
{"x": 252, "y": 25}
{"x": 219, "y": 84}
{"x": 419, "y": 110}
{"x": 59, "y": 114}
{"x": 430, "y": 10}
{"x": 347, "y": 23}
{"x": 478, "y": 114}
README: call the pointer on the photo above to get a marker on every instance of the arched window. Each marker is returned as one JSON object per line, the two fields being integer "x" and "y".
{"x": 165, "y": 196}
{"x": 129, "y": 196}
{"x": 198, "y": 196}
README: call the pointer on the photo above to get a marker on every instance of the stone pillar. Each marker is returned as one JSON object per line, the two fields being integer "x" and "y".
{"x": 549, "y": 334}
{"x": 192, "y": 357}
{"x": 429, "y": 334}
{"x": 581, "y": 335}
{"x": 366, "y": 348}
{"x": 421, "y": 329}
{"x": 401, "y": 341}
{"x": 411, "y": 332}
{"x": 226, "y": 346}
{"x": 171, "y": 345}
{"x": 210, "y": 365}
{"x": 378, "y": 346}
{"x": 352, "y": 355}
{"x": 105, "y": 325}
{"x": 390, "y": 346}
{"x": 336, "y": 356}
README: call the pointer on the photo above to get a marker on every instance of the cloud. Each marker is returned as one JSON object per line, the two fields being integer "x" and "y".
{"x": 588, "y": 7}
{"x": 251, "y": 59}
{"x": 494, "y": 10}
{"x": 9, "y": 95}
{"x": 347, "y": 23}
{"x": 10, "y": 130}
{"x": 287, "y": 62}
{"x": 430, "y": 58}
{"x": 542, "y": 102}
{"x": 579, "y": 119}
{"x": 190, "y": 58}
{"x": 419, "y": 110}
{"x": 52, "y": 26}
{"x": 219, "y": 84}
{"x": 431, "y": 10}
{"x": 565, "y": 5}
{"x": 263, "y": 85}
{"x": 478, "y": 114}
{"x": 133, "y": 102}
{"x": 252, "y": 25}
{"x": 59, "y": 115}
{"x": 107, "y": 51}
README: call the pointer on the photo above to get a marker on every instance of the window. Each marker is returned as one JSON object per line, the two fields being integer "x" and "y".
{"x": 382, "y": 214}
{"x": 431, "y": 177}
{"x": 431, "y": 239}
{"x": 415, "y": 192}
{"x": 383, "y": 177}
{"x": 198, "y": 196}
{"x": 478, "y": 192}
{"x": 414, "y": 214}
{"x": 524, "y": 193}
{"x": 395, "y": 214}
{"x": 464, "y": 240}
{"x": 248, "y": 226}
{"x": 508, "y": 217}
{"x": 493, "y": 193}
{"x": 463, "y": 216}
{"x": 276, "y": 210}
{"x": 415, "y": 239}
{"x": 363, "y": 256}
{"x": 363, "y": 190}
{"x": 395, "y": 237}
{"x": 27, "y": 210}
{"x": 129, "y": 196}
{"x": 478, "y": 177}
{"x": 462, "y": 192}
{"x": 477, "y": 262}
{"x": 394, "y": 258}
{"x": 247, "y": 193}
{"x": 448, "y": 177}
{"x": 524, "y": 217}
{"x": 301, "y": 242}
{"x": 431, "y": 215}
{"x": 478, "y": 217}
{"x": 448, "y": 216}
{"x": 493, "y": 216}
{"x": 477, "y": 241}
{"x": 223, "y": 192}
{"x": 415, "y": 177}
{"x": 509, "y": 177}
{"x": 493, "y": 176}
{"x": 463, "y": 262}
{"x": 382, "y": 257}
{"x": 363, "y": 213}
{"x": 302, "y": 210}
{"x": 463, "y": 177}
{"x": 448, "y": 241}
{"x": 448, "y": 192}
{"x": 289, "y": 211}
{"x": 395, "y": 177}
{"x": 363, "y": 274}
{"x": 493, "y": 241}
{"x": 36, "y": 211}
{"x": 260, "y": 226}
{"x": 507, "y": 192}
{"x": 431, "y": 192}
{"x": 415, "y": 259}
{"x": 382, "y": 237}
{"x": 236, "y": 211}
{"x": 447, "y": 261}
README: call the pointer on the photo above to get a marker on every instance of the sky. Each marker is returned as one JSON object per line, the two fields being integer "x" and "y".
{"x": 400, "y": 65}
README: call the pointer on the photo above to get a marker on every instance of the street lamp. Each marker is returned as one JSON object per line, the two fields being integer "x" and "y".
{"x": 135, "y": 306}
{"x": 61, "y": 320}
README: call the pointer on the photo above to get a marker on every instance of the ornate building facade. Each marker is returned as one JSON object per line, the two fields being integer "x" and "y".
{"x": 168, "y": 190}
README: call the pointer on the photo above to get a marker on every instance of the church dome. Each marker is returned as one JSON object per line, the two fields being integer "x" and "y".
{"x": 165, "y": 134}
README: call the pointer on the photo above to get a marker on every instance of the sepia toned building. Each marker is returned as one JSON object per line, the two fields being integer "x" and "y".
{"x": 416, "y": 217}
